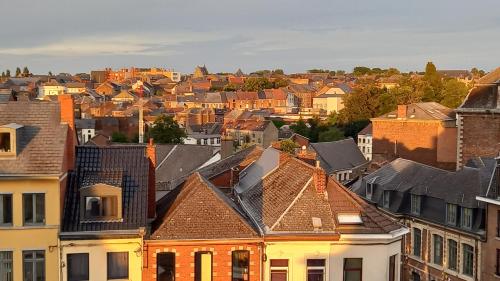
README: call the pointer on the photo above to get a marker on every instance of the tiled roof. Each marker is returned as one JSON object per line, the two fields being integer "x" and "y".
{"x": 368, "y": 130}
{"x": 248, "y": 125}
{"x": 490, "y": 78}
{"x": 423, "y": 111}
{"x": 200, "y": 211}
{"x": 481, "y": 98}
{"x": 242, "y": 158}
{"x": 122, "y": 166}
{"x": 41, "y": 140}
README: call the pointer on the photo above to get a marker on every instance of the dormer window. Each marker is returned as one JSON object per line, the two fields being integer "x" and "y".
{"x": 387, "y": 198}
{"x": 8, "y": 139}
{"x": 100, "y": 202}
{"x": 416, "y": 202}
{"x": 369, "y": 190}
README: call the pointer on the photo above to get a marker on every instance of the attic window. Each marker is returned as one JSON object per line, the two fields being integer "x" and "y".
{"x": 369, "y": 190}
{"x": 100, "y": 202}
{"x": 5, "y": 142}
{"x": 349, "y": 218}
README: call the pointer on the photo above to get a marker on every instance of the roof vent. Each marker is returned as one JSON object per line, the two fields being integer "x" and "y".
{"x": 317, "y": 224}
{"x": 349, "y": 218}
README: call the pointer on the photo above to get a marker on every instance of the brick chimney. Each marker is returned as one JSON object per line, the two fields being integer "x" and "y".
{"x": 235, "y": 176}
{"x": 68, "y": 116}
{"x": 402, "y": 109}
{"x": 320, "y": 179}
{"x": 151, "y": 154}
{"x": 307, "y": 156}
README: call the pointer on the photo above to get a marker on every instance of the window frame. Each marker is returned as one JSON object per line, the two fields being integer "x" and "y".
{"x": 2, "y": 223}
{"x": 464, "y": 249}
{"x": 416, "y": 204}
{"x": 314, "y": 267}
{"x": 34, "y": 209}
{"x": 393, "y": 267}
{"x": 232, "y": 263}
{"x": 436, "y": 237}
{"x": 466, "y": 221}
{"x": 448, "y": 256}
{"x": 68, "y": 266}
{"x": 419, "y": 242}
{"x": 369, "y": 186}
{"x": 386, "y": 199}
{"x": 4, "y": 263}
{"x": 108, "y": 256}
{"x": 199, "y": 278}
{"x": 157, "y": 263}
{"x": 279, "y": 268}
{"x": 355, "y": 269}
{"x": 34, "y": 263}
{"x": 455, "y": 210}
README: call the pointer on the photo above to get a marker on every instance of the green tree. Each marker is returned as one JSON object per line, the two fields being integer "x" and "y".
{"x": 166, "y": 130}
{"x": 279, "y": 71}
{"x": 119, "y": 137}
{"x": 300, "y": 128}
{"x": 361, "y": 70}
{"x": 432, "y": 84}
{"x": 288, "y": 146}
{"x": 279, "y": 83}
{"x": 26, "y": 72}
{"x": 340, "y": 72}
{"x": 257, "y": 84}
{"x": 231, "y": 87}
{"x": 50, "y": 73}
{"x": 18, "y": 72}
{"x": 332, "y": 134}
{"x": 7, "y": 73}
{"x": 454, "y": 92}
{"x": 278, "y": 123}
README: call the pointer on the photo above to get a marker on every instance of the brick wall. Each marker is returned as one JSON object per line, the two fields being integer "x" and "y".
{"x": 413, "y": 140}
{"x": 185, "y": 255}
{"x": 489, "y": 254}
{"x": 479, "y": 135}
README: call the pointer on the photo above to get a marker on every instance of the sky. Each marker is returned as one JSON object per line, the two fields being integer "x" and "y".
{"x": 294, "y": 35}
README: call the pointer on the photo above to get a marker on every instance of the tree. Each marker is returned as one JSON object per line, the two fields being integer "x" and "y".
{"x": 361, "y": 70}
{"x": 50, "y": 73}
{"x": 7, "y": 73}
{"x": 279, "y": 83}
{"x": 454, "y": 92}
{"x": 166, "y": 130}
{"x": 279, "y": 71}
{"x": 257, "y": 84}
{"x": 288, "y": 145}
{"x": 432, "y": 84}
{"x": 300, "y": 128}
{"x": 118, "y": 137}
{"x": 26, "y": 72}
{"x": 3, "y": 74}
{"x": 18, "y": 72}
{"x": 332, "y": 134}
{"x": 340, "y": 72}
{"x": 231, "y": 87}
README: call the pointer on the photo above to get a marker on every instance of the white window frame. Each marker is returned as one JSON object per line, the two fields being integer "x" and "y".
{"x": 34, "y": 208}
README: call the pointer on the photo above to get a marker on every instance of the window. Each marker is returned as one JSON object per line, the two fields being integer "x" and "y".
{"x": 451, "y": 214}
{"x": 452, "y": 254}
{"x": 241, "y": 265}
{"x": 437, "y": 249}
{"x": 279, "y": 270}
{"x": 466, "y": 218}
{"x": 392, "y": 268}
{"x": 415, "y": 276}
{"x": 316, "y": 270}
{"x": 5, "y": 144}
{"x": 5, "y": 209}
{"x": 353, "y": 269}
{"x": 417, "y": 242}
{"x": 165, "y": 266}
{"x": 78, "y": 267}
{"x": 117, "y": 265}
{"x": 6, "y": 266}
{"x": 415, "y": 204}
{"x": 387, "y": 198}
{"x": 497, "y": 268}
{"x": 34, "y": 208}
{"x": 34, "y": 265}
{"x": 468, "y": 260}
{"x": 100, "y": 206}
{"x": 203, "y": 266}
{"x": 369, "y": 190}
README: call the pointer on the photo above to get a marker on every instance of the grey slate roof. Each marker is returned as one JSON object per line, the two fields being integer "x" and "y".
{"x": 404, "y": 177}
{"x": 122, "y": 166}
{"x": 41, "y": 141}
{"x": 339, "y": 155}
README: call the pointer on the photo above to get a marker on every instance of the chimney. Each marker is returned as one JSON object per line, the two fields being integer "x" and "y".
{"x": 227, "y": 146}
{"x": 151, "y": 154}
{"x": 307, "y": 156}
{"x": 68, "y": 116}
{"x": 319, "y": 179}
{"x": 235, "y": 176}
{"x": 402, "y": 109}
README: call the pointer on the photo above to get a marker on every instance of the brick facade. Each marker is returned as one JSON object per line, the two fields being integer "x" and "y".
{"x": 185, "y": 255}
{"x": 479, "y": 135}
{"x": 421, "y": 141}
{"x": 492, "y": 244}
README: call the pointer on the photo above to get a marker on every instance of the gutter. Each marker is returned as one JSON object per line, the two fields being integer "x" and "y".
{"x": 391, "y": 235}
{"x": 31, "y": 176}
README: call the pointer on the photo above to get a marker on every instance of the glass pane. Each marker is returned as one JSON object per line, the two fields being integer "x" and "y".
{"x": 352, "y": 276}
{"x": 28, "y": 271}
{"x": 6, "y": 266}
{"x": 40, "y": 271}
{"x": 240, "y": 265}
{"x": 279, "y": 263}
{"x": 315, "y": 275}
{"x": 6, "y": 209}
{"x": 279, "y": 275}
{"x": 118, "y": 265}
{"x": 165, "y": 266}
{"x": 40, "y": 207}
{"x": 316, "y": 262}
{"x": 78, "y": 267}
{"x": 28, "y": 208}
{"x": 355, "y": 263}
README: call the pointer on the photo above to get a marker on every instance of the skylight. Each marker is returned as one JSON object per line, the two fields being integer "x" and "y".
{"x": 349, "y": 218}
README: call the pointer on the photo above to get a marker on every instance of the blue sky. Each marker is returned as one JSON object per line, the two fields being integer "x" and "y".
{"x": 76, "y": 36}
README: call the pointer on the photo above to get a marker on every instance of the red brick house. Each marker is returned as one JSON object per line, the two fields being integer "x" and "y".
{"x": 201, "y": 233}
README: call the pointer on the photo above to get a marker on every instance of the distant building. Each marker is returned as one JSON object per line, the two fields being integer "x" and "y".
{"x": 423, "y": 132}
{"x": 85, "y": 130}
{"x": 200, "y": 72}
{"x": 478, "y": 120}
{"x": 330, "y": 99}
{"x": 246, "y": 132}
{"x": 52, "y": 88}
{"x": 365, "y": 141}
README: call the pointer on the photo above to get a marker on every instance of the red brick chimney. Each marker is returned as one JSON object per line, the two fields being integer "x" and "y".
{"x": 235, "y": 176}
{"x": 68, "y": 116}
{"x": 402, "y": 109}
{"x": 151, "y": 154}
{"x": 307, "y": 156}
{"x": 320, "y": 179}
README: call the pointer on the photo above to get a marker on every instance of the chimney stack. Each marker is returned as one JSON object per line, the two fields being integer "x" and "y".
{"x": 68, "y": 116}
{"x": 402, "y": 110}
{"x": 319, "y": 179}
{"x": 235, "y": 176}
{"x": 307, "y": 156}
{"x": 151, "y": 154}
{"x": 227, "y": 146}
